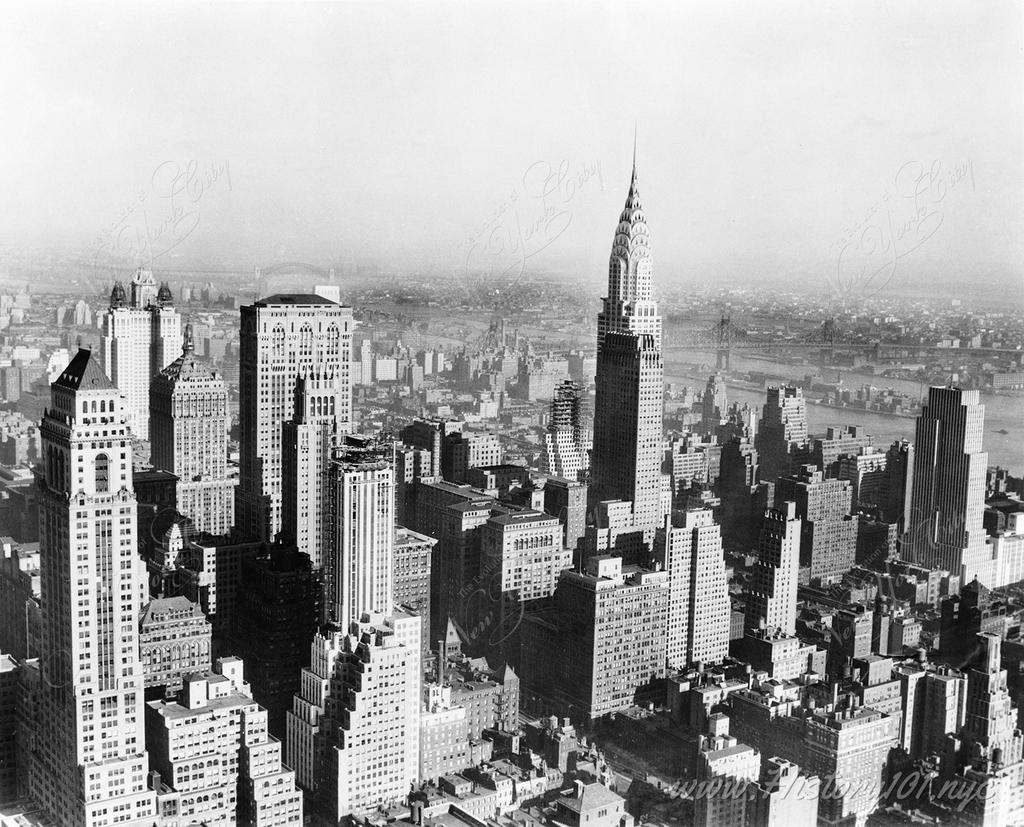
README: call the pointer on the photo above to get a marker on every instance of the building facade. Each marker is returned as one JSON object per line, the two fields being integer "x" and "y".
{"x": 307, "y": 442}
{"x": 282, "y": 337}
{"x": 359, "y": 570}
{"x": 628, "y": 408}
{"x": 215, "y": 762}
{"x": 368, "y": 742}
{"x": 771, "y": 599}
{"x": 189, "y": 424}
{"x": 174, "y": 641}
{"x": 689, "y": 549}
{"x": 141, "y": 336}
{"x": 947, "y": 512}
{"x": 89, "y": 766}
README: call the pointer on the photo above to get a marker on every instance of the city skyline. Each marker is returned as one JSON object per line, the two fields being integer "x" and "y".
{"x": 452, "y": 516}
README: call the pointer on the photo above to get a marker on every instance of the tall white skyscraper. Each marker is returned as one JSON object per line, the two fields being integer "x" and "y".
{"x": 90, "y": 765}
{"x": 771, "y": 600}
{"x": 369, "y": 738}
{"x": 307, "y": 443}
{"x": 947, "y": 507}
{"x": 699, "y": 608}
{"x": 283, "y": 337}
{"x": 628, "y": 408}
{"x": 303, "y": 720}
{"x": 141, "y": 336}
{"x": 359, "y": 570}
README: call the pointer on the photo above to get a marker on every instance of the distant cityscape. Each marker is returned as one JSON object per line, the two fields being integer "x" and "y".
{"x": 309, "y": 544}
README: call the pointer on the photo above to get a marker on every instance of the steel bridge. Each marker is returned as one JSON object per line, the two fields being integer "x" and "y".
{"x": 724, "y": 337}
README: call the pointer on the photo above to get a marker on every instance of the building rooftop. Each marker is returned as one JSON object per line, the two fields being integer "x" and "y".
{"x": 166, "y": 605}
{"x": 520, "y": 517}
{"x": 294, "y": 298}
{"x": 591, "y": 797}
{"x": 84, "y": 373}
{"x": 173, "y": 710}
{"x": 406, "y": 536}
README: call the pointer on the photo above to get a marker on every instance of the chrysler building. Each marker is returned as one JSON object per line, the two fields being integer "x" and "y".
{"x": 626, "y": 460}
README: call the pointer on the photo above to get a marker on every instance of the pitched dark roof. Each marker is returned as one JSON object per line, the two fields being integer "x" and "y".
{"x": 294, "y": 298}
{"x": 84, "y": 373}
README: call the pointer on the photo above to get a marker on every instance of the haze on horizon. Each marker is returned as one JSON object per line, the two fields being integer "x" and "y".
{"x": 429, "y": 135}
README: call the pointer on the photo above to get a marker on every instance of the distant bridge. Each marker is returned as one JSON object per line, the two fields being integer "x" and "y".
{"x": 724, "y": 337}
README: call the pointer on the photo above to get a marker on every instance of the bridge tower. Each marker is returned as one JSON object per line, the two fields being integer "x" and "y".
{"x": 723, "y": 342}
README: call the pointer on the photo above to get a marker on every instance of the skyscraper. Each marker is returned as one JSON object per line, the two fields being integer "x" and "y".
{"x": 604, "y": 641}
{"x": 947, "y": 509}
{"x": 307, "y": 442}
{"x": 714, "y": 404}
{"x": 282, "y": 337}
{"x": 211, "y": 750}
{"x": 568, "y": 439}
{"x": 90, "y": 758}
{"x": 771, "y": 601}
{"x": 992, "y": 743}
{"x": 699, "y": 611}
{"x": 359, "y": 570}
{"x": 189, "y": 423}
{"x": 302, "y": 723}
{"x": 141, "y": 336}
{"x": 783, "y": 428}
{"x": 626, "y": 459}
{"x": 828, "y": 546}
{"x": 368, "y": 743}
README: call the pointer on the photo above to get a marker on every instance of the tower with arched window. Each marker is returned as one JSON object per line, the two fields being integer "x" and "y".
{"x": 90, "y": 758}
{"x": 282, "y": 338}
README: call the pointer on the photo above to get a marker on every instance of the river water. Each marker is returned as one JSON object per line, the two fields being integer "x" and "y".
{"x": 1001, "y": 412}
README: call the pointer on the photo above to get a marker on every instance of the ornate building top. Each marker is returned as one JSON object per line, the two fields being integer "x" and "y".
{"x": 186, "y": 368}
{"x": 630, "y": 264}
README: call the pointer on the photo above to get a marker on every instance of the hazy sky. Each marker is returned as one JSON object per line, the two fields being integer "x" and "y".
{"x": 807, "y": 138}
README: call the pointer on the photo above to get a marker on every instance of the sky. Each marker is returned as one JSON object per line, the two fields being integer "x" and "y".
{"x": 855, "y": 142}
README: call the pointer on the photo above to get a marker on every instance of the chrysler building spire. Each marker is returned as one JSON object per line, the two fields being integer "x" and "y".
{"x": 629, "y": 399}
{"x": 630, "y": 305}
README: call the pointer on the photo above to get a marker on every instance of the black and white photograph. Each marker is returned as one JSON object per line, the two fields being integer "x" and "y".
{"x": 479, "y": 413}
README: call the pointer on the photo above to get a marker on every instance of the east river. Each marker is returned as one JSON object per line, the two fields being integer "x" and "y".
{"x": 1001, "y": 412}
